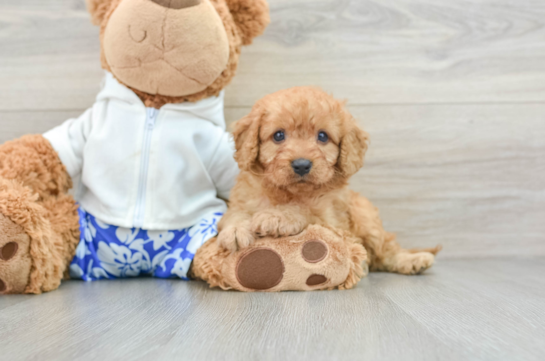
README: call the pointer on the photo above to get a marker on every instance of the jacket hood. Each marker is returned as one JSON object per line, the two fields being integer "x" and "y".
{"x": 210, "y": 109}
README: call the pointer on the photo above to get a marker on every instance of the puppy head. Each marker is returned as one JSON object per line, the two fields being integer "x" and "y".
{"x": 300, "y": 138}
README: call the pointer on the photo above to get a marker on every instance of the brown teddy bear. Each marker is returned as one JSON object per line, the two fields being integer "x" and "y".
{"x": 151, "y": 159}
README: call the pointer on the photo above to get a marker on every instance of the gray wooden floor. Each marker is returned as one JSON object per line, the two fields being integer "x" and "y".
{"x": 490, "y": 309}
{"x": 453, "y": 96}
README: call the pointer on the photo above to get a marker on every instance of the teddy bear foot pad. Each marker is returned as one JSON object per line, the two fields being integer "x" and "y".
{"x": 263, "y": 268}
{"x": 314, "y": 260}
{"x": 14, "y": 257}
{"x": 6, "y": 253}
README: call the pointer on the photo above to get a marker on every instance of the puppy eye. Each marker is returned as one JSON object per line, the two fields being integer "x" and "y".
{"x": 323, "y": 137}
{"x": 279, "y": 136}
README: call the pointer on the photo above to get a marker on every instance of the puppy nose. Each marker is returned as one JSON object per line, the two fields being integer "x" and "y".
{"x": 177, "y": 4}
{"x": 301, "y": 166}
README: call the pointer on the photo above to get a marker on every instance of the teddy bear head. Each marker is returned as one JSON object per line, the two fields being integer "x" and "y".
{"x": 173, "y": 51}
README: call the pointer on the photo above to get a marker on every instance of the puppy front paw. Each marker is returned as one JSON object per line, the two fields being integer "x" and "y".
{"x": 275, "y": 224}
{"x": 233, "y": 238}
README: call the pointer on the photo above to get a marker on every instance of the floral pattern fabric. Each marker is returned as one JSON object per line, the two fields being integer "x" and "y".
{"x": 106, "y": 251}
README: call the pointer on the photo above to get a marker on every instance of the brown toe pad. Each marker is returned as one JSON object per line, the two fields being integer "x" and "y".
{"x": 15, "y": 259}
{"x": 314, "y": 251}
{"x": 260, "y": 269}
{"x": 315, "y": 280}
{"x": 8, "y": 251}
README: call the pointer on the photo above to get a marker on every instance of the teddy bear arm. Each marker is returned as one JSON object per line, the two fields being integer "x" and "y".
{"x": 32, "y": 161}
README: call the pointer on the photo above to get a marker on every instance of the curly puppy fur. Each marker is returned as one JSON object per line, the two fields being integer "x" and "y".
{"x": 270, "y": 199}
{"x": 243, "y": 21}
{"x": 33, "y": 186}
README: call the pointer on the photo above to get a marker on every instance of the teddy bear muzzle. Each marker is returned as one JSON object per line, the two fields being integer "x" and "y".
{"x": 177, "y": 4}
{"x": 167, "y": 47}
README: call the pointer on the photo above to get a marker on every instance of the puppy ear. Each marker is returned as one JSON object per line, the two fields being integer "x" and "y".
{"x": 251, "y": 17}
{"x": 98, "y": 9}
{"x": 246, "y": 134}
{"x": 353, "y": 147}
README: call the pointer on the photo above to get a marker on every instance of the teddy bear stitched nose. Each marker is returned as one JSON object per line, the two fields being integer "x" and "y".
{"x": 177, "y": 4}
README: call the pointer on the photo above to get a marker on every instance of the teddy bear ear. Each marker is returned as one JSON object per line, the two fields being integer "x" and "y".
{"x": 251, "y": 17}
{"x": 98, "y": 9}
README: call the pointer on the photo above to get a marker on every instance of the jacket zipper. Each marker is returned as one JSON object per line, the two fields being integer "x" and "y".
{"x": 140, "y": 210}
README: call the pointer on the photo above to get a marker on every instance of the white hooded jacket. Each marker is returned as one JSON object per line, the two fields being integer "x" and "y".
{"x": 147, "y": 168}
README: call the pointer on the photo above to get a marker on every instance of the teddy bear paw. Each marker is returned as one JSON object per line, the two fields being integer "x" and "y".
{"x": 15, "y": 261}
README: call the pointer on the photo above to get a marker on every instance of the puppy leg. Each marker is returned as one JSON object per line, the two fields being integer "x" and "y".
{"x": 399, "y": 260}
{"x": 234, "y": 231}
{"x": 280, "y": 221}
{"x": 385, "y": 253}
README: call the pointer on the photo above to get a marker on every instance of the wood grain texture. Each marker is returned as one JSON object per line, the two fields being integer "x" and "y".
{"x": 387, "y": 52}
{"x": 460, "y": 310}
{"x": 401, "y": 51}
{"x": 469, "y": 177}
{"x": 453, "y": 95}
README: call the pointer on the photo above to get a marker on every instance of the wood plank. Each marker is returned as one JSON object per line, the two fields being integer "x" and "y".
{"x": 465, "y": 176}
{"x": 49, "y": 58}
{"x": 18, "y": 123}
{"x": 371, "y": 52}
{"x": 400, "y": 51}
{"x": 459, "y": 310}
{"x": 485, "y": 307}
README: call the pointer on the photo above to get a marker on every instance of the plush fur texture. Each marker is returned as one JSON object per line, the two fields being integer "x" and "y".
{"x": 243, "y": 20}
{"x": 36, "y": 212}
{"x": 271, "y": 200}
{"x": 14, "y": 269}
{"x": 166, "y": 51}
{"x": 33, "y": 185}
{"x": 344, "y": 265}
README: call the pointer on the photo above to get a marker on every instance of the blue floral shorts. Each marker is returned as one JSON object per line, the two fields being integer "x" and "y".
{"x": 106, "y": 251}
